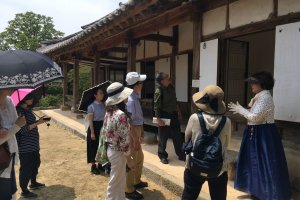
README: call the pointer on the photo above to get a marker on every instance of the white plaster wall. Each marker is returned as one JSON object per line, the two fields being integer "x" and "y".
{"x": 288, "y": 6}
{"x": 167, "y": 31}
{"x": 140, "y": 50}
{"x": 162, "y": 65}
{"x": 150, "y": 49}
{"x": 208, "y": 63}
{"x": 214, "y": 20}
{"x": 181, "y": 82}
{"x": 165, "y": 48}
{"x": 286, "y": 72}
{"x": 243, "y": 12}
{"x": 185, "y": 36}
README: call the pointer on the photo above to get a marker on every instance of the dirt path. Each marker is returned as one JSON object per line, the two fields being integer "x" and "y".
{"x": 66, "y": 174}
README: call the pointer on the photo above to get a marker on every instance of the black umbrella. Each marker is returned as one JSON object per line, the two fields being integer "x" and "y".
{"x": 88, "y": 95}
{"x": 26, "y": 69}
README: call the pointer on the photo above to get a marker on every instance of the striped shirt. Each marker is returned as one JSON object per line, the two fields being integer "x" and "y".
{"x": 28, "y": 140}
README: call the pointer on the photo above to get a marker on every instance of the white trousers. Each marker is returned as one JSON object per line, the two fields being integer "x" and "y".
{"x": 117, "y": 179}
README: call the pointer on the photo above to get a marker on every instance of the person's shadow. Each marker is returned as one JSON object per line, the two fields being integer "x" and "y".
{"x": 152, "y": 194}
{"x": 57, "y": 192}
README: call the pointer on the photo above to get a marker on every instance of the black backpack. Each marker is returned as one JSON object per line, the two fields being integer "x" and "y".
{"x": 206, "y": 157}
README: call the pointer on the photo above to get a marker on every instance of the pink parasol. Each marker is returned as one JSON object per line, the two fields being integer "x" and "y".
{"x": 19, "y": 94}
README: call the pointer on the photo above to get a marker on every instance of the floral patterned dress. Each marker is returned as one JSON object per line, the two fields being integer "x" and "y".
{"x": 116, "y": 130}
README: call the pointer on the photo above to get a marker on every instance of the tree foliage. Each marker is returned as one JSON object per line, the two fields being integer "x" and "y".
{"x": 27, "y": 30}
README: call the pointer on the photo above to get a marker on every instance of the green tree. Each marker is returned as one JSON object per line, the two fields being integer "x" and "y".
{"x": 27, "y": 30}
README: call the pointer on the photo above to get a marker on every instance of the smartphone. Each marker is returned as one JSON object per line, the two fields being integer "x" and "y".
{"x": 47, "y": 118}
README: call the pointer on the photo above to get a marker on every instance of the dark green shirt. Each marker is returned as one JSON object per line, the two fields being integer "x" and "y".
{"x": 166, "y": 102}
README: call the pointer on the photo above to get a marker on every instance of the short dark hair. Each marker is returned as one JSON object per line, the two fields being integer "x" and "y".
{"x": 160, "y": 76}
{"x": 264, "y": 79}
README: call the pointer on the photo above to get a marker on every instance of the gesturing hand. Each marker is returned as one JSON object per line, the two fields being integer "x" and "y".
{"x": 235, "y": 108}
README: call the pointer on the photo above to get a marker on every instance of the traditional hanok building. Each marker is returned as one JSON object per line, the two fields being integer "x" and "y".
{"x": 198, "y": 43}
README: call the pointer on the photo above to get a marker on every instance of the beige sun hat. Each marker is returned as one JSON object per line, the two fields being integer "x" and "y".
{"x": 117, "y": 93}
{"x": 210, "y": 100}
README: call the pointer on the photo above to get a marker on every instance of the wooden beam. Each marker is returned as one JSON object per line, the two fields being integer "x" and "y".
{"x": 197, "y": 38}
{"x": 93, "y": 75}
{"x": 65, "y": 83}
{"x": 131, "y": 55}
{"x": 114, "y": 58}
{"x": 75, "y": 85}
{"x": 154, "y": 58}
{"x": 117, "y": 49}
{"x": 173, "y": 54}
{"x": 92, "y": 60}
{"x": 227, "y": 15}
{"x": 275, "y": 9}
{"x": 158, "y": 38}
{"x": 102, "y": 75}
{"x": 96, "y": 68}
{"x": 169, "y": 18}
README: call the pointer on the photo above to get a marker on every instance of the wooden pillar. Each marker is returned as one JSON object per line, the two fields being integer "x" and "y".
{"x": 101, "y": 74}
{"x": 275, "y": 8}
{"x": 174, "y": 54}
{"x": 65, "y": 83}
{"x": 131, "y": 55}
{"x": 106, "y": 73}
{"x": 96, "y": 67}
{"x": 227, "y": 27}
{"x": 197, "y": 38}
{"x": 75, "y": 85}
{"x": 92, "y": 76}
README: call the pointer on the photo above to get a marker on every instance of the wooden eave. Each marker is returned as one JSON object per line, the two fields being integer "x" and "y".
{"x": 146, "y": 24}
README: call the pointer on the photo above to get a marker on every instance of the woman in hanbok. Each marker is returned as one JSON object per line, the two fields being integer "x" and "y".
{"x": 261, "y": 168}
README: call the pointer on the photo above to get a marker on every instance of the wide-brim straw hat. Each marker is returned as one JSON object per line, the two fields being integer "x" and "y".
{"x": 117, "y": 93}
{"x": 210, "y": 100}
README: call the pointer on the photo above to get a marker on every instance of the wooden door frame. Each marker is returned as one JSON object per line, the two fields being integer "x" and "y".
{"x": 223, "y": 68}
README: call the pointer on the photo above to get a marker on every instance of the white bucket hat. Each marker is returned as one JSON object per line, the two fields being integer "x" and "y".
{"x": 134, "y": 77}
{"x": 117, "y": 93}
